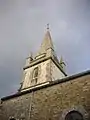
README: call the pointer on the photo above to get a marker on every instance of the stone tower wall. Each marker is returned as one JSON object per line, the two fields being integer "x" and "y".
{"x": 56, "y": 72}
{"x": 44, "y": 67}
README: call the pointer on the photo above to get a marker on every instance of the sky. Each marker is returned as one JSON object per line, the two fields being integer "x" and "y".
{"x": 22, "y": 28}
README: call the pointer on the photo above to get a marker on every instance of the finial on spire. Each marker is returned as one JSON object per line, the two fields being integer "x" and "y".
{"x": 62, "y": 61}
{"x": 48, "y": 26}
{"x": 31, "y": 54}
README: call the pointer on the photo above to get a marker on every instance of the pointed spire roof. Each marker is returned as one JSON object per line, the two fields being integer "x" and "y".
{"x": 47, "y": 43}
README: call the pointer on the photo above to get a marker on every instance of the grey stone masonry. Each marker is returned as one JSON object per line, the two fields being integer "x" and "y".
{"x": 50, "y": 102}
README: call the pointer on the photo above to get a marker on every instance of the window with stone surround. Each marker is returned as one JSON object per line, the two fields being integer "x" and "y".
{"x": 35, "y": 72}
{"x": 35, "y": 76}
{"x": 74, "y": 115}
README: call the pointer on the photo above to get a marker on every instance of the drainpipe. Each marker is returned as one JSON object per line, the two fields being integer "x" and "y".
{"x": 30, "y": 105}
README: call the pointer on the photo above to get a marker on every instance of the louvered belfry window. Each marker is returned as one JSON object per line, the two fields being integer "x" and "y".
{"x": 35, "y": 72}
{"x": 35, "y": 76}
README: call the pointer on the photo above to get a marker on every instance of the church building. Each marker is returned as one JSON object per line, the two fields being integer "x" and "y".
{"x": 46, "y": 91}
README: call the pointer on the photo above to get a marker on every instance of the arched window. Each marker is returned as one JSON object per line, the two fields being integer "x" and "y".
{"x": 35, "y": 76}
{"x": 35, "y": 73}
{"x": 74, "y": 115}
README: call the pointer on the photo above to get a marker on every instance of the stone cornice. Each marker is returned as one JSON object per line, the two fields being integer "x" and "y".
{"x": 37, "y": 61}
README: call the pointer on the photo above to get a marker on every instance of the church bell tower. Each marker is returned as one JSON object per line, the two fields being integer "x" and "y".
{"x": 44, "y": 67}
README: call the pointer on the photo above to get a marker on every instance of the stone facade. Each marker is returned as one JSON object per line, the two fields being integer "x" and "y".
{"x": 48, "y": 71}
{"x": 55, "y": 72}
{"x": 46, "y": 92}
{"x": 50, "y": 102}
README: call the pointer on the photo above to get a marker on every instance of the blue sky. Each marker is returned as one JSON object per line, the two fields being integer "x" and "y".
{"x": 22, "y": 28}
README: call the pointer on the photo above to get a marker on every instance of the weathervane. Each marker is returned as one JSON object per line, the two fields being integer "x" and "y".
{"x": 48, "y": 26}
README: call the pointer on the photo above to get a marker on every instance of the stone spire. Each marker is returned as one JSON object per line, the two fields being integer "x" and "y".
{"x": 47, "y": 43}
{"x": 44, "y": 67}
